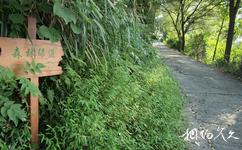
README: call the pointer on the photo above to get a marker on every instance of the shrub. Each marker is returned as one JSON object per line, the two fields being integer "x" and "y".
{"x": 196, "y": 47}
{"x": 14, "y": 128}
{"x": 172, "y": 43}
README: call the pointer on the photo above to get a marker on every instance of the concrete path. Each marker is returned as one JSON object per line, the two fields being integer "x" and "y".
{"x": 214, "y": 102}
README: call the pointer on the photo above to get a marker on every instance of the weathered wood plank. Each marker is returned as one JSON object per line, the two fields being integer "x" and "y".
{"x": 16, "y": 52}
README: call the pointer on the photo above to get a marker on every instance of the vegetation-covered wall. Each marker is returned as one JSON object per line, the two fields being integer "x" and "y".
{"x": 114, "y": 92}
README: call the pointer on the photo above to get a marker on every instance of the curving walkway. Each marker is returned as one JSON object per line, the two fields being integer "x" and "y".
{"x": 214, "y": 102}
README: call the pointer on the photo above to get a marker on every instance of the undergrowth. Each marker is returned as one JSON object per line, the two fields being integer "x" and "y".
{"x": 114, "y": 92}
{"x": 131, "y": 106}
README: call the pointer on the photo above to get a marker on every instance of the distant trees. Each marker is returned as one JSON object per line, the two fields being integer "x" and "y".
{"x": 185, "y": 13}
{"x": 217, "y": 40}
{"x": 222, "y": 14}
{"x": 233, "y": 9}
{"x": 147, "y": 11}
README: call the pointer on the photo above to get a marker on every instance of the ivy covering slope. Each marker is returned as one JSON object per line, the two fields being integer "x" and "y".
{"x": 115, "y": 93}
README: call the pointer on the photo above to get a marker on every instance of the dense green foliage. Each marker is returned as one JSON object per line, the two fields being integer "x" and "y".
{"x": 13, "y": 106}
{"x": 129, "y": 107}
{"x": 114, "y": 93}
{"x": 206, "y": 35}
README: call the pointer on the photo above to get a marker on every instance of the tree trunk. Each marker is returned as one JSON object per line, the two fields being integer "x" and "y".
{"x": 183, "y": 41}
{"x": 229, "y": 38}
{"x": 232, "y": 16}
{"x": 179, "y": 44}
{"x": 182, "y": 26}
{"x": 219, "y": 33}
{"x": 179, "y": 40}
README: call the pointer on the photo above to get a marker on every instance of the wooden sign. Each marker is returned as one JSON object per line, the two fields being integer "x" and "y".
{"x": 15, "y": 53}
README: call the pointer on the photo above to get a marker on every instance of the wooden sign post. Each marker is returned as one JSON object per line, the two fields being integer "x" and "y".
{"x": 16, "y": 52}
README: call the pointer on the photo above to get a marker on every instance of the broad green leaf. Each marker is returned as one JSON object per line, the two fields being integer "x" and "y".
{"x": 15, "y": 113}
{"x": 6, "y": 74}
{"x": 49, "y": 33}
{"x": 33, "y": 67}
{"x": 20, "y": 113}
{"x": 50, "y": 95}
{"x": 65, "y": 13}
{"x": 3, "y": 100}
{"x": 17, "y": 18}
{"x": 75, "y": 28}
{"x": 5, "y": 107}
{"x": 44, "y": 32}
{"x": 39, "y": 67}
{"x": 12, "y": 116}
{"x": 4, "y": 111}
{"x": 45, "y": 7}
{"x": 28, "y": 87}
